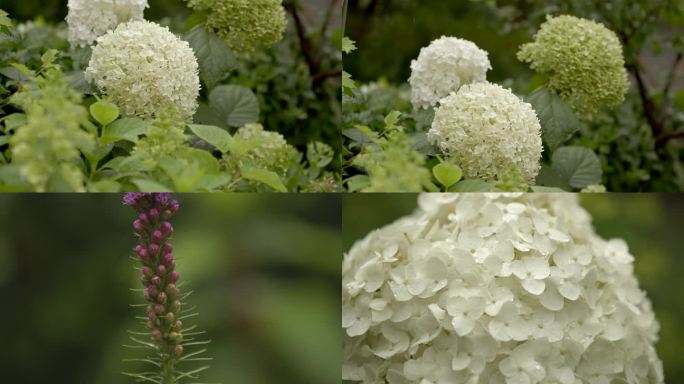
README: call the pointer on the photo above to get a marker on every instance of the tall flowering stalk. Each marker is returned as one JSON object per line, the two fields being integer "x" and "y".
{"x": 161, "y": 290}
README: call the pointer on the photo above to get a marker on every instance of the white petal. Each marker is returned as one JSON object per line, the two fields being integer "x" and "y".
{"x": 359, "y": 327}
{"x": 463, "y": 325}
{"x": 533, "y": 286}
{"x": 551, "y": 300}
{"x": 570, "y": 291}
{"x": 460, "y": 361}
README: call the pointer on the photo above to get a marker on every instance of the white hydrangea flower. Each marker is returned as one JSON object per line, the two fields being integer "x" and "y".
{"x": 443, "y": 67}
{"x": 488, "y": 131}
{"x": 145, "y": 69}
{"x": 90, "y": 19}
{"x": 495, "y": 288}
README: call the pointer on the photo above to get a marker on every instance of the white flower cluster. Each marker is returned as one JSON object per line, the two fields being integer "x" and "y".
{"x": 488, "y": 131}
{"x": 90, "y": 19}
{"x": 495, "y": 289}
{"x": 443, "y": 67}
{"x": 145, "y": 69}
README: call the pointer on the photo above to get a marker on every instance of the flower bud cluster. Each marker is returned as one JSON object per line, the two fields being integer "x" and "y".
{"x": 159, "y": 277}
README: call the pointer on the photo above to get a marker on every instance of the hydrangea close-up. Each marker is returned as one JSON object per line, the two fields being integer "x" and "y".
{"x": 495, "y": 288}
{"x": 582, "y": 59}
{"x": 90, "y": 19}
{"x": 488, "y": 131}
{"x": 145, "y": 69}
{"x": 244, "y": 24}
{"x": 444, "y": 66}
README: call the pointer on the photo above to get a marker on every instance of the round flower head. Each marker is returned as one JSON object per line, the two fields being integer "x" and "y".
{"x": 583, "y": 60}
{"x": 90, "y": 19}
{"x": 443, "y": 67}
{"x": 244, "y": 24}
{"x": 495, "y": 288}
{"x": 488, "y": 131}
{"x": 146, "y": 70}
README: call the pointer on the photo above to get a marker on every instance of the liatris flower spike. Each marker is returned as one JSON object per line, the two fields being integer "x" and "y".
{"x": 163, "y": 305}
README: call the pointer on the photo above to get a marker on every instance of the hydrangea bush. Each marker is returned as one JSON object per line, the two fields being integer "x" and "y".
{"x": 600, "y": 128}
{"x": 124, "y": 104}
{"x": 495, "y": 288}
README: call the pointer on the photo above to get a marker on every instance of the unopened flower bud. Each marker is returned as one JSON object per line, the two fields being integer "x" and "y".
{"x": 161, "y": 297}
{"x": 161, "y": 270}
{"x": 178, "y": 350}
{"x": 156, "y": 280}
{"x": 150, "y": 324}
{"x": 156, "y": 334}
{"x": 177, "y": 326}
{"x": 143, "y": 253}
{"x": 170, "y": 317}
{"x": 157, "y": 235}
{"x": 168, "y": 247}
{"x": 175, "y": 337}
{"x": 152, "y": 290}
{"x": 175, "y": 306}
{"x": 174, "y": 206}
{"x": 159, "y": 309}
{"x": 138, "y": 248}
{"x": 143, "y": 218}
{"x": 151, "y": 315}
{"x": 154, "y": 249}
{"x": 144, "y": 280}
{"x": 168, "y": 258}
{"x": 174, "y": 276}
{"x": 167, "y": 228}
{"x": 147, "y": 271}
{"x": 154, "y": 214}
{"x": 137, "y": 225}
{"x": 172, "y": 290}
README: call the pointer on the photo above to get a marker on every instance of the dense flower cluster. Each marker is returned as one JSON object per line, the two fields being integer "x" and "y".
{"x": 90, "y": 19}
{"x": 444, "y": 66}
{"x": 155, "y": 252}
{"x": 583, "y": 60}
{"x": 145, "y": 69}
{"x": 273, "y": 152}
{"x": 244, "y": 24}
{"x": 495, "y": 288}
{"x": 488, "y": 131}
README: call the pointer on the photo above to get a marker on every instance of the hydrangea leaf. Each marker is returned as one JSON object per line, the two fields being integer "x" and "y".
{"x": 237, "y": 106}
{"x": 215, "y": 57}
{"x": 348, "y": 45}
{"x": 104, "y": 112}
{"x": 447, "y": 174}
{"x": 263, "y": 176}
{"x": 577, "y": 166}
{"x": 215, "y": 136}
{"x": 558, "y": 121}
{"x": 128, "y": 128}
{"x": 357, "y": 183}
{"x": 472, "y": 185}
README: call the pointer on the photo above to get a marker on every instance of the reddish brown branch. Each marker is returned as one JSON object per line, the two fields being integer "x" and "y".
{"x": 663, "y": 139}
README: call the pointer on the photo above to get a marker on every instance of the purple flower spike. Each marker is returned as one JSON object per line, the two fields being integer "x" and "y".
{"x": 157, "y": 236}
{"x": 161, "y": 270}
{"x": 168, "y": 258}
{"x": 143, "y": 218}
{"x": 167, "y": 228}
{"x": 154, "y": 248}
{"x": 137, "y": 225}
{"x": 152, "y": 290}
{"x": 154, "y": 214}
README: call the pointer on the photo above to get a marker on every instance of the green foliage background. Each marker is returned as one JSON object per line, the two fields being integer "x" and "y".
{"x": 264, "y": 270}
{"x": 639, "y": 144}
{"x": 650, "y": 223}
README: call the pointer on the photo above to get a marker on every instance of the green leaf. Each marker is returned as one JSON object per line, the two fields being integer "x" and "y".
{"x": 447, "y": 174}
{"x": 357, "y": 183}
{"x": 14, "y": 121}
{"x": 215, "y": 136}
{"x": 538, "y": 188}
{"x": 215, "y": 58}
{"x": 128, "y": 128}
{"x": 150, "y": 186}
{"x": 104, "y": 112}
{"x": 348, "y": 45}
{"x": 108, "y": 186}
{"x": 558, "y": 121}
{"x": 263, "y": 176}
{"x": 472, "y": 185}
{"x": 239, "y": 147}
{"x": 213, "y": 182}
{"x": 577, "y": 166}
{"x": 236, "y": 105}
{"x": 204, "y": 160}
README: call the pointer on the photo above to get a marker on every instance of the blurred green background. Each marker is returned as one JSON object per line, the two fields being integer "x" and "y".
{"x": 650, "y": 223}
{"x": 264, "y": 270}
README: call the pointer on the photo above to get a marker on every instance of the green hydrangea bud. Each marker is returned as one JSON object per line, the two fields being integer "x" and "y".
{"x": 583, "y": 60}
{"x": 244, "y": 24}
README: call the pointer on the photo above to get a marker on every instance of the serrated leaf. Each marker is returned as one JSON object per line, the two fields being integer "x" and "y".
{"x": 447, "y": 174}
{"x": 558, "y": 121}
{"x": 357, "y": 183}
{"x": 215, "y": 58}
{"x": 128, "y": 128}
{"x": 348, "y": 45}
{"x": 235, "y": 105}
{"x": 215, "y": 136}
{"x": 266, "y": 177}
{"x": 104, "y": 112}
{"x": 577, "y": 166}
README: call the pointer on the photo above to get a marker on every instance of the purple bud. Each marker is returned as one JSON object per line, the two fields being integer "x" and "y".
{"x": 161, "y": 297}
{"x": 168, "y": 247}
{"x": 152, "y": 290}
{"x": 151, "y": 315}
{"x": 147, "y": 271}
{"x": 159, "y": 309}
{"x": 156, "y": 280}
{"x": 156, "y": 334}
{"x": 168, "y": 258}
{"x": 178, "y": 350}
{"x": 138, "y": 248}
{"x": 174, "y": 276}
{"x": 143, "y": 218}
{"x": 161, "y": 270}
{"x": 157, "y": 236}
{"x": 137, "y": 225}
{"x": 154, "y": 248}
{"x": 167, "y": 228}
{"x": 174, "y": 206}
{"x": 143, "y": 253}
{"x": 154, "y": 214}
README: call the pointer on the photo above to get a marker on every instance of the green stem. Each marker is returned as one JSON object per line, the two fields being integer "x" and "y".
{"x": 168, "y": 365}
